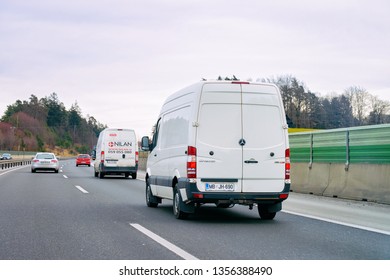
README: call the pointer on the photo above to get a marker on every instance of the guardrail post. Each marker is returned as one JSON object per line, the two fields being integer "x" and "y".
{"x": 311, "y": 151}
{"x": 347, "y": 150}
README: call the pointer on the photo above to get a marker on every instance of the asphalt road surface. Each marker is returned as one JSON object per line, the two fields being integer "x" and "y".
{"x": 72, "y": 215}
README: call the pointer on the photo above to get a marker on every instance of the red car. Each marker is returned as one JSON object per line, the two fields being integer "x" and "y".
{"x": 83, "y": 159}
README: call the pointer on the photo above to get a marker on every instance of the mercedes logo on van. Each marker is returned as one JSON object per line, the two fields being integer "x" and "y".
{"x": 242, "y": 142}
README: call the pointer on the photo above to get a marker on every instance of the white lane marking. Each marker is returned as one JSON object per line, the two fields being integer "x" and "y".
{"x": 81, "y": 189}
{"x": 13, "y": 169}
{"x": 178, "y": 251}
{"x": 66, "y": 177}
{"x": 338, "y": 223}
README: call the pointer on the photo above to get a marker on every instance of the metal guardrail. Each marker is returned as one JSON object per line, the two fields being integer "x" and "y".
{"x": 366, "y": 144}
{"x": 5, "y": 164}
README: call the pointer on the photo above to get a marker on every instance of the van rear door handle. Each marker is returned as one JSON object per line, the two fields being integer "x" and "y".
{"x": 251, "y": 161}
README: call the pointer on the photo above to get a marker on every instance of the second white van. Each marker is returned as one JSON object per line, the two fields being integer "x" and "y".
{"x": 220, "y": 142}
{"x": 116, "y": 153}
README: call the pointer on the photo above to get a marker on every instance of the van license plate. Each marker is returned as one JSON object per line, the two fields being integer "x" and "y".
{"x": 220, "y": 187}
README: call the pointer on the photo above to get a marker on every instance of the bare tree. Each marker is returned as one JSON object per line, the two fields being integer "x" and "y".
{"x": 359, "y": 98}
{"x": 379, "y": 110}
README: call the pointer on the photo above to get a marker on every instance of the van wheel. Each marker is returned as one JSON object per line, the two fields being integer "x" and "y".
{"x": 101, "y": 175}
{"x": 96, "y": 174}
{"x": 176, "y": 205}
{"x": 265, "y": 215}
{"x": 134, "y": 176}
{"x": 150, "y": 198}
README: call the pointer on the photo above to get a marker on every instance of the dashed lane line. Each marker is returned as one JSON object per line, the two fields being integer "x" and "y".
{"x": 81, "y": 189}
{"x": 172, "y": 247}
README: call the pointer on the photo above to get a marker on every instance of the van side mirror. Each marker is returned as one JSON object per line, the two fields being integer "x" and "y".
{"x": 145, "y": 143}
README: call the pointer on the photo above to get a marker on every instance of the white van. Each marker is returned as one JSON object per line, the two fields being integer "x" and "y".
{"x": 222, "y": 142}
{"x": 116, "y": 153}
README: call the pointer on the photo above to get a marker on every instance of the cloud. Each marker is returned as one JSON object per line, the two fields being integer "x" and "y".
{"x": 120, "y": 59}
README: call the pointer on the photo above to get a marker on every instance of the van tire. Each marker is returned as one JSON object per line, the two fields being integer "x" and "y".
{"x": 265, "y": 214}
{"x": 96, "y": 174}
{"x": 134, "y": 176}
{"x": 177, "y": 201}
{"x": 101, "y": 175}
{"x": 150, "y": 198}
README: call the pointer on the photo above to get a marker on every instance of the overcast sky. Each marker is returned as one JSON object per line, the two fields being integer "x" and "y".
{"x": 120, "y": 59}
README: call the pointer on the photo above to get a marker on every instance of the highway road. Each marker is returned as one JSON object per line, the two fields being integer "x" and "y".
{"x": 72, "y": 215}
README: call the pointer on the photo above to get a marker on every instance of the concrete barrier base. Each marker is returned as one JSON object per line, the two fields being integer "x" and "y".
{"x": 370, "y": 182}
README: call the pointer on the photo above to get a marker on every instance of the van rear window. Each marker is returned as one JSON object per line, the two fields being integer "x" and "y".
{"x": 220, "y": 124}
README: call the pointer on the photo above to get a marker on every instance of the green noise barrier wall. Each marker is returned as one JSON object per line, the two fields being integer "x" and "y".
{"x": 352, "y": 163}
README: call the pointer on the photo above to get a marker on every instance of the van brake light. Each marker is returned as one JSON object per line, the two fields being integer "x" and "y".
{"x": 191, "y": 162}
{"x": 287, "y": 167}
{"x": 136, "y": 157}
{"x": 102, "y": 156}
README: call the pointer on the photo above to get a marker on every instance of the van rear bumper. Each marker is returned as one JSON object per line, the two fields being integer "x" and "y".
{"x": 194, "y": 195}
{"x": 118, "y": 169}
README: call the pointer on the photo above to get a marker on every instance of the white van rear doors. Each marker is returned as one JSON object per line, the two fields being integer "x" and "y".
{"x": 120, "y": 148}
{"x": 240, "y": 139}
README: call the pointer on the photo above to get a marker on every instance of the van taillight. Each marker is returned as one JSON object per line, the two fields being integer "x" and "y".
{"x": 191, "y": 162}
{"x": 287, "y": 167}
{"x": 136, "y": 157}
{"x": 102, "y": 156}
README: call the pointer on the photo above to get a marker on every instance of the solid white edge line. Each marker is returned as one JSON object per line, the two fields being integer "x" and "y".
{"x": 173, "y": 248}
{"x": 13, "y": 169}
{"x": 337, "y": 222}
{"x": 81, "y": 189}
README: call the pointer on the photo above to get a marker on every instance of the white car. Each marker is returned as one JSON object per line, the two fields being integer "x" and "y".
{"x": 45, "y": 161}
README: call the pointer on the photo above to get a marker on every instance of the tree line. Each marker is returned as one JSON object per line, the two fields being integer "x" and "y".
{"x": 305, "y": 109}
{"x": 45, "y": 123}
